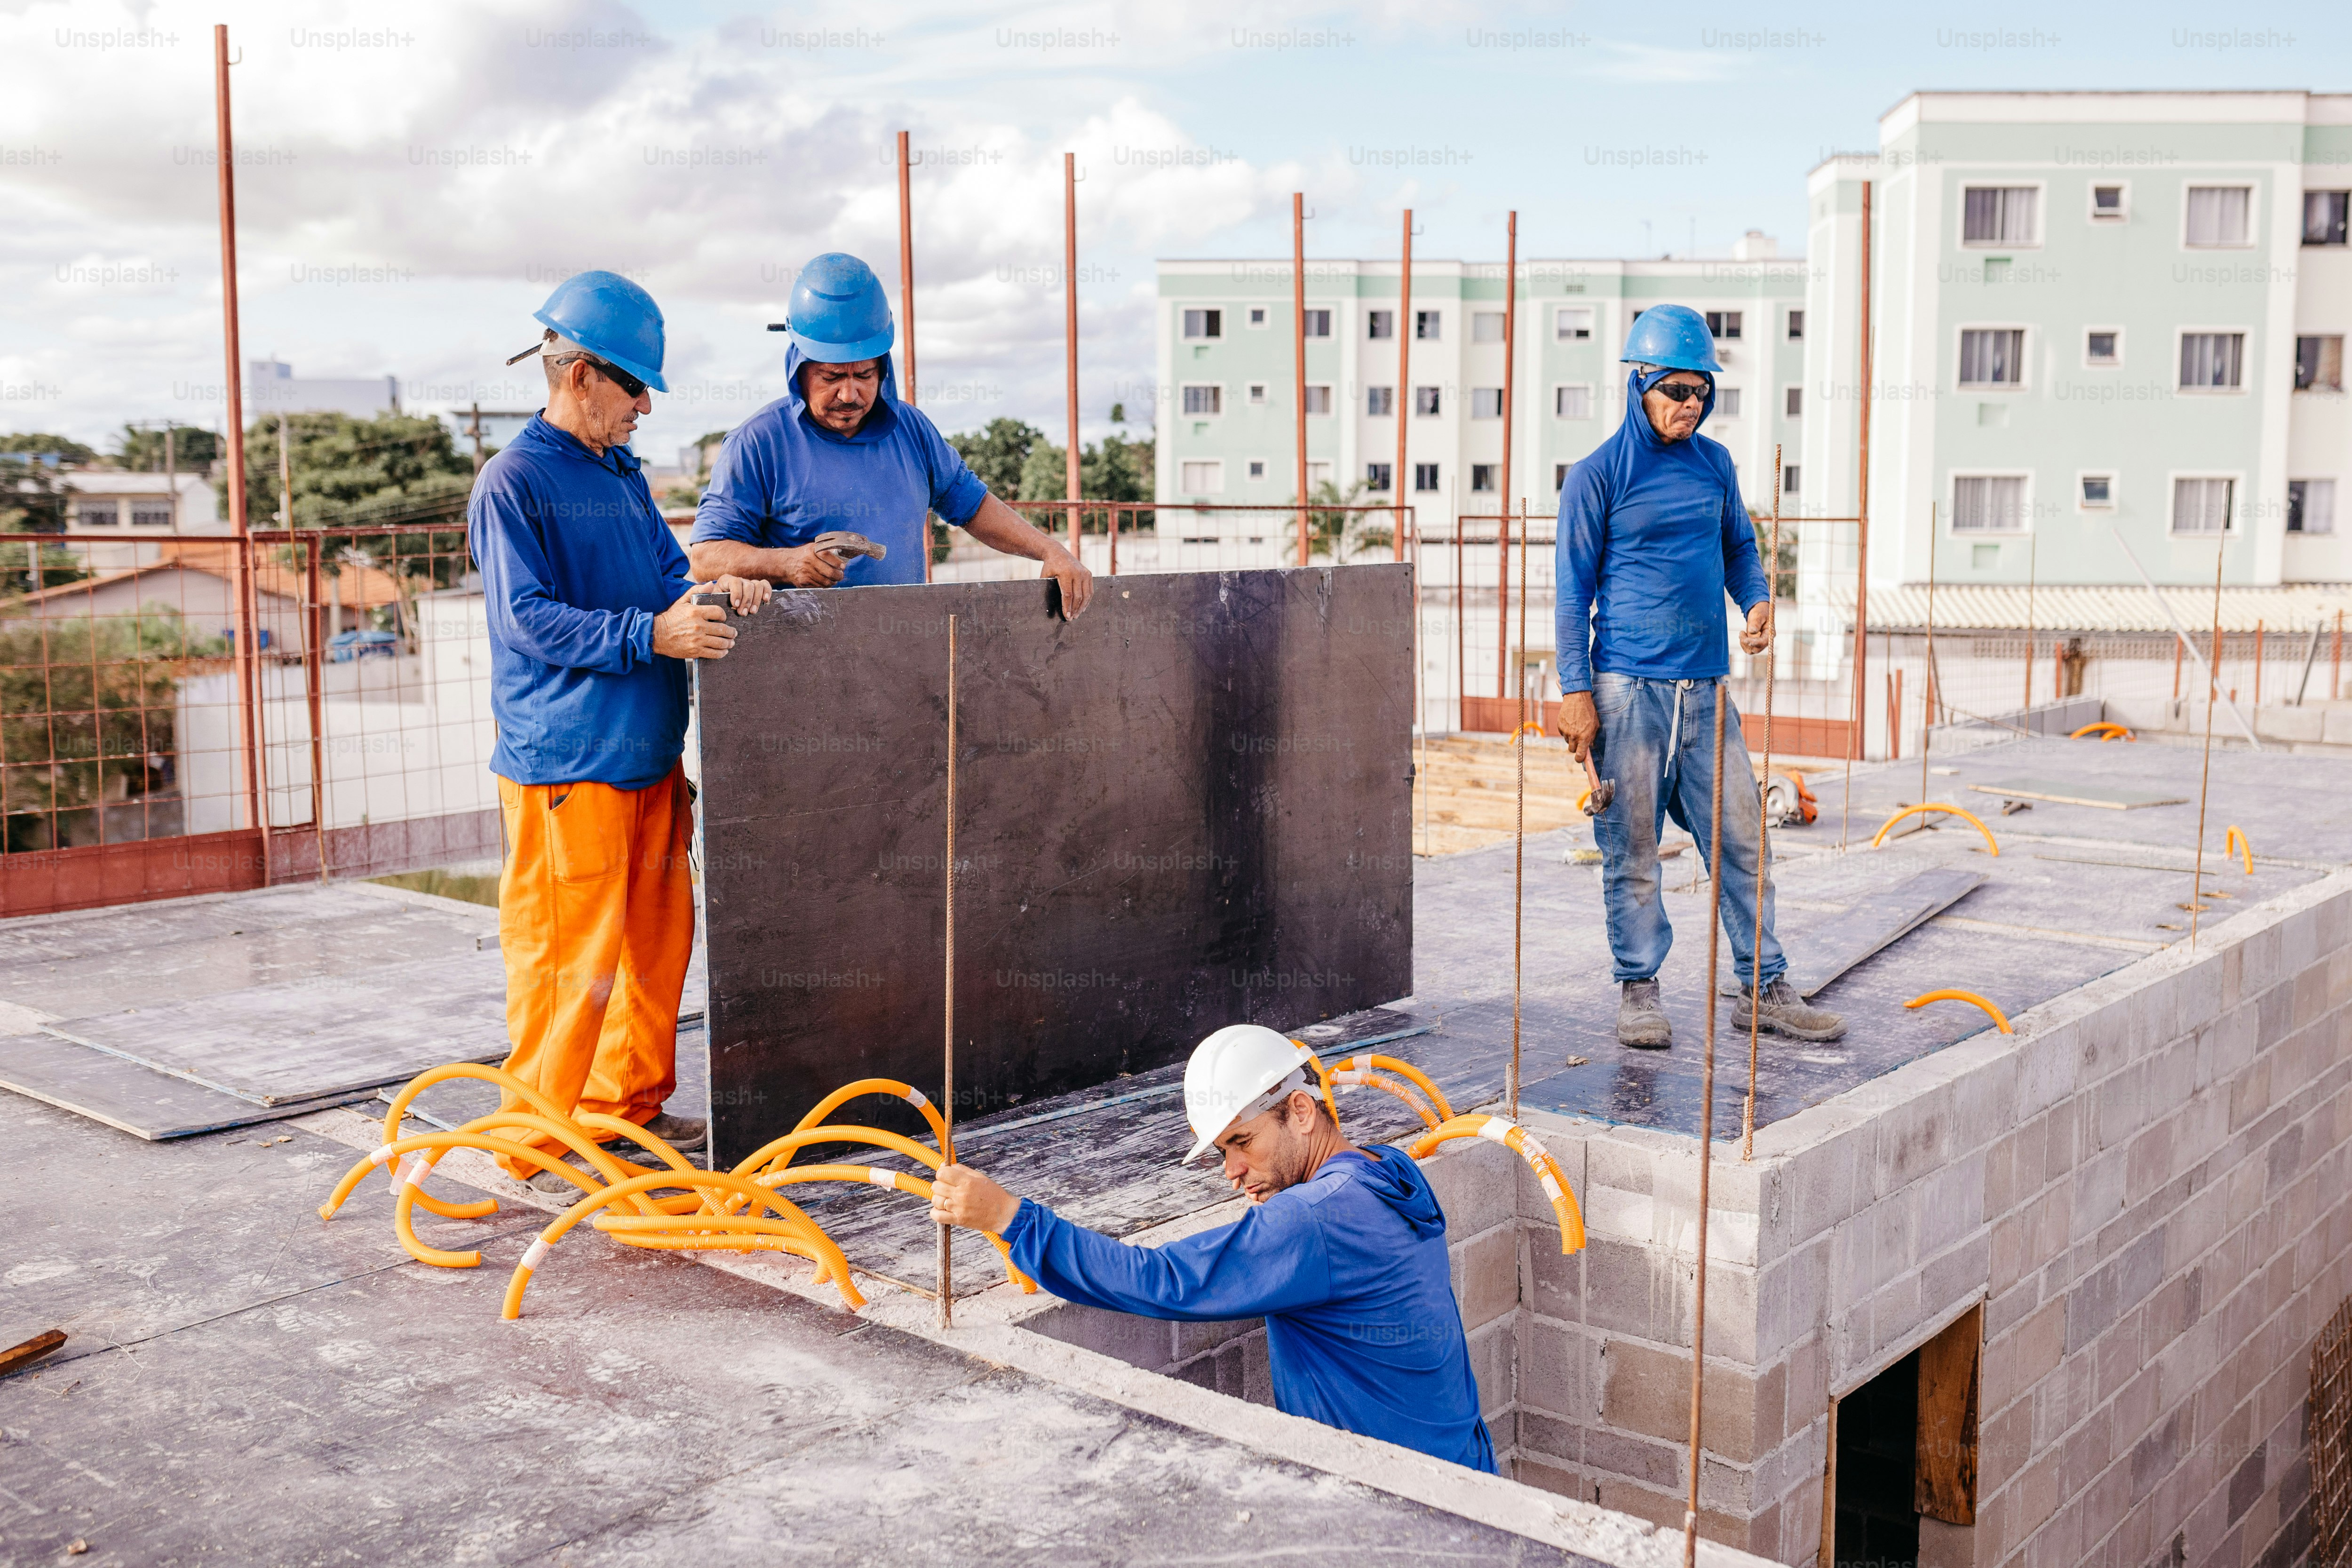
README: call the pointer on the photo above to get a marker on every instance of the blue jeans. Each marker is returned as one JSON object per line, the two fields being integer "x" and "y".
{"x": 1657, "y": 742}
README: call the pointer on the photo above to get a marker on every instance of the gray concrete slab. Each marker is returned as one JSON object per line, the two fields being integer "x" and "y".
{"x": 245, "y": 1384}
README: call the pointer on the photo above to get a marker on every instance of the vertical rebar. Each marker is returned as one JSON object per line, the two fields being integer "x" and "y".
{"x": 1070, "y": 334}
{"x": 313, "y": 676}
{"x": 2258, "y": 663}
{"x": 2205, "y": 769}
{"x": 907, "y": 307}
{"x": 1928, "y": 697}
{"x": 1298, "y": 352}
{"x": 1520, "y": 830}
{"x": 1403, "y": 401}
{"x": 245, "y": 662}
{"x": 946, "y": 1069}
{"x": 1504, "y": 486}
{"x": 1763, "y": 816}
{"x": 2033, "y": 570}
{"x": 1705, "y": 1128}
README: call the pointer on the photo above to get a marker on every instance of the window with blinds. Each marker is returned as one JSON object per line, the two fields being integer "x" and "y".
{"x": 2202, "y": 506}
{"x": 1993, "y": 356}
{"x": 2211, "y": 362}
{"x": 2217, "y": 215}
{"x": 2000, "y": 215}
{"x": 1988, "y": 503}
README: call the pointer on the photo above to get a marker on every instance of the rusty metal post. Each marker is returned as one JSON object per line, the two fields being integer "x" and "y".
{"x": 1505, "y": 485}
{"x": 1070, "y": 334}
{"x": 313, "y": 676}
{"x": 1298, "y": 350}
{"x": 2033, "y": 570}
{"x": 907, "y": 306}
{"x": 1404, "y": 400}
{"x": 2258, "y": 663}
{"x": 247, "y": 663}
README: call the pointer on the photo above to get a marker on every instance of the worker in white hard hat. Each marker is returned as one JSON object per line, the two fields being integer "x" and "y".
{"x": 1343, "y": 1255}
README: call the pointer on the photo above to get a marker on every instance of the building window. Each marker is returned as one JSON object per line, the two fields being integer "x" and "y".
{"x": 1723, "y": 323}
{"x": 2102, "y": 347}
{"x": 1993, "y": 356}
{"x": 1380, "y": 323}
{"x": 2211, "y": 362}
{"x": 1427, "y": 325}
{"x": 1796, "y": 326}
{"x": 1558, "y": 477}
{"x": 2319, "y": 364}
{"x": 1727, "y": 403}
{"x": 2106, "y": 203}
{"x": 1257, "y": 392}
{"x": 2311, "y": 506}
{"x": 2000, "y": 215}
{"x": 2098, "y": 490}
{"x": 2322, "y": 217}
{"x": 1424, "y": 477}
{"x": 1319, "y": 400}
{"x": 1376, "y": 477}
{"x": 1203, "y": 476}
{"x": 1571, "y": 402}
{"x": 1257, "y": 468}
{"x": 1572, "y": 323}
{"x": 1487, "y": 327}
{"x": 1486, "y": 403}
{"x": 1988, "y": 503}
{"x": 150, "y": 516}
{"x": 1792, "y": 479}
{"x": 2203, "y": 506}
{"x": 1204, "y": 323}
{"x": 1792, "y": 402}
{"x": 1319, "y": 323}
{"x": 1482, "y": 479}
{"x": 1425, "y": 402}
{"x": 1204, "y": 400}
{"x": 1256, "y": 316}
{"x": 2217, "y": 215}
{"x": 1379, "y": 402}
{"x": 94, "y": 514}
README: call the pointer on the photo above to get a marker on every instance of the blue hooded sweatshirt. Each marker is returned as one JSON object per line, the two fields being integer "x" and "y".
{"x": 1348, "y": 1270}
{"x": 575, "y": 565}
{"x": 781, "y": 479}
{"x": 1651, "y": 532}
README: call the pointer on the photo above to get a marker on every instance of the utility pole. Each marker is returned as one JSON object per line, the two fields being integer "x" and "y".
{"x": 245, "y": 662}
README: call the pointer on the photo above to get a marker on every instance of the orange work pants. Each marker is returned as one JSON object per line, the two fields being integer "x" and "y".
{"x": 597, "y": 921}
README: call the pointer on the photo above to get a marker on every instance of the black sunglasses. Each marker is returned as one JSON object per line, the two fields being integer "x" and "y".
{"x": 1680, "y": 391}
{"x": 612, "y": 372}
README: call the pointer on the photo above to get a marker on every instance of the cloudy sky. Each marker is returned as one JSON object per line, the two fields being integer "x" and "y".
{"x": 410, "y": 189}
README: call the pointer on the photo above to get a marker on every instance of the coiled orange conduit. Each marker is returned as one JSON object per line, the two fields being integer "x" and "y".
{"x": 1496, "y": 1130}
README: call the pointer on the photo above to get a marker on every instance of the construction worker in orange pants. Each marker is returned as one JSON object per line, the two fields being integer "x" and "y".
{"x": 590, "y": 602}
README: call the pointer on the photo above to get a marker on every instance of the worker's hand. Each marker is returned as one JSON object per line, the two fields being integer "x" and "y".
{"x": 746, "y": 594}
{"x": 688, "y": 630}
{"x": 1077, "y": 583}
{"x": 1757, "y": 637}
{"x": 961, "y": 1195}
{"x": 1578, "y": 722}
{"x": 806, "y": 566}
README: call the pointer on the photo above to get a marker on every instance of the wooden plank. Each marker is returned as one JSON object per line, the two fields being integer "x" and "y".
{"x": 1189, "y": 807}
{"x": 2064, "y": 791}
{"x": 1878, "y": 921}
{"x": 1829, "y": 1493}
{"x": 1944, "y": 1469}
{"x": 31, "y": 1350}
{"x": 131, "y": 1097}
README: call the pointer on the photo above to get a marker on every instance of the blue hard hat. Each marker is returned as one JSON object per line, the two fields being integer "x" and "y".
{"x": 839, "y": 313}
{"x": 1673, "y": 337}
{"x": 612, "y": 319}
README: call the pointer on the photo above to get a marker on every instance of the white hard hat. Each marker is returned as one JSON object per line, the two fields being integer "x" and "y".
{"x": 1240, "y": 1071}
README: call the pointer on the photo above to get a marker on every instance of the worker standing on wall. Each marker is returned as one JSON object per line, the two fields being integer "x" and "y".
{"x": 1344, "y": 1256}
{"x": 1652, "y": 532}
{"x": 842, "y": 451}
{"x": 591, "y": 622}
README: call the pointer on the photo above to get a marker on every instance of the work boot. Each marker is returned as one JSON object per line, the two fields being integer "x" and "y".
{"x": 1786, "y": 1013}
{"x": 684, "y": 1133}
{"x": 555, "y": 1186}
{"x": 1642, "y": 1017}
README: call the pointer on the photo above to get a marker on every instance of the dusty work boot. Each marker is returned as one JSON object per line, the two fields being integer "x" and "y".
{"x": 1642, "y": 1017}
{"x": 556, "y": 1184}
{"x": 1786, "y": 1013}
{"x": 684, "y": 1133}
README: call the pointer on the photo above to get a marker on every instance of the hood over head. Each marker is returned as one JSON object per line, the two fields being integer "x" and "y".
{"x": 879, "y": 421}
{"x": 1395, "y": 1178}
{"x": 1643, "y": 377}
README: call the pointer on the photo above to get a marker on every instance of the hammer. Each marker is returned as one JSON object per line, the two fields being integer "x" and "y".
{"x": 1601, "y": 792}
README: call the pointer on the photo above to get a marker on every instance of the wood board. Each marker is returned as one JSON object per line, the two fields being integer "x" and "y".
{"x": 2073, "y": 792}
{"x": 1874, "y": 922}
{"x": 1188, "y": 809}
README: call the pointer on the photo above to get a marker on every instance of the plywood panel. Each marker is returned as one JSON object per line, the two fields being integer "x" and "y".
{"x": 1188, "y": 809}
{"x": 1944, "y": 1473}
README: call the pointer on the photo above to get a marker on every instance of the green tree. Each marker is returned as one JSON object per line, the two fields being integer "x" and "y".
{"x": 1343, "y": 535}
{"x": 193, "y": 446}
{"x": 393, "y": 469}
{"x": 36, "y": 443}
{"x": 999, "y": 453}
{"x": 87, "y": 712}
{"x": 32, "y": 503}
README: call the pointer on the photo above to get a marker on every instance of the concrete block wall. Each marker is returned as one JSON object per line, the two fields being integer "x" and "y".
{"x": 2149, "y": 1189}
{"x": 1475, "y": 1185}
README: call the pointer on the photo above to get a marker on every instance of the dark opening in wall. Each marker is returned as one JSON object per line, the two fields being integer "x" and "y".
{"x": 1877, "y": 1443}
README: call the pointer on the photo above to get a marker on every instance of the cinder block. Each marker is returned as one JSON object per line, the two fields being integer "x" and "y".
{"x": 1636, "y": 1459}
{"x": 1192, "y": 1339}
{"x": 1644, "y": 1390}
{"x": 1474, "y": 1184}
{"x": 1555, "y": 1286}
{"x": 1486, "y": 1275}
{"x": 1139, "y": 1342}
{"x": 1257, "y": 1371}
{"x": 1552, "y": 1372}
{"x": 1531, "y": 1471}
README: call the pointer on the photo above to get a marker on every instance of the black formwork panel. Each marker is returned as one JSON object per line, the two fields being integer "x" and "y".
{"x": 1190, "y": 807}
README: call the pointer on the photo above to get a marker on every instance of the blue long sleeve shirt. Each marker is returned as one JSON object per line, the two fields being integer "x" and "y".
{"x": 781, "y": 479}
{"x": 1651, "y": 534}
{"x": 576, "y": 562}
{"x": 1348, "y": 1270}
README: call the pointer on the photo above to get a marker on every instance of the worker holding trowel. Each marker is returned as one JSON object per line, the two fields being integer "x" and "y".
{"x": 591, "y": 621}
{"x": 833, "y": 484}
{"x": 1343, "y": 1255}
{"x": 1652, "y": 533}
